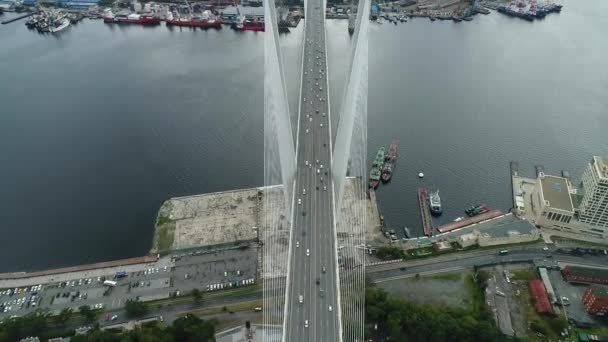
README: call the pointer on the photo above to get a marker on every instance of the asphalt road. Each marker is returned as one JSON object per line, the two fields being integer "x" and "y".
{"x": 388, "y": 272}
{"x": 312, "y": 297}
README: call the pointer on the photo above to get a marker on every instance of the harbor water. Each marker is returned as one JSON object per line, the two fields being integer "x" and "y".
{"x": 102, "y": 123}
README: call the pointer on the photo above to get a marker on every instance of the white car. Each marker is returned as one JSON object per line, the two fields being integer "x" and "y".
{"x": 330, "y": 308}
{"x": 310, "y": 119}
{"x": 306, "y": 163}
{"x": 299, "y": 201}
{"x": 297, "y": 244}
{"x": 307, "y": 252}
{"x": 306, "y": 324}
{"x": 318, "y": 171}
{"x": 545, "y": 248}
{"x": 321, "y": 125}
{"x": 324, "y": 188}
{"x": 303, "y": 191}
{"x": 307, "y": 130}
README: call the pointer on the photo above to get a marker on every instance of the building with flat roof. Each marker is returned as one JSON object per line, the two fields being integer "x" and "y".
{"x": 595, "y": 300}
{"x": 593, "y": 208}
{"x": 585, "y": 274}
{"x": 541, "y": 300}
{"x": 551, "y": 202}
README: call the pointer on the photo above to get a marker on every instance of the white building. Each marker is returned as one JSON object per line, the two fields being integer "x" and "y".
{"x": 551, "y": 202}
{"x": 593, "y": 208}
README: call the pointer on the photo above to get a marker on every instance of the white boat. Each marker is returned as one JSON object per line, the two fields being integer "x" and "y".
{"x": 458, "y": 219}
{"x": 59, "y": 25}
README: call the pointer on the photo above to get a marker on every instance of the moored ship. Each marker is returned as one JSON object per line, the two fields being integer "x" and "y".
{"x": 207, "y": 20}
{"x": 391, "y": 160}
{"x": 58, "y": 25}
{"x": 244, "y": 24}
{"x": 435, "y": 203}
{"x": 477, "y": 210}
{"x": 376, "y": 171}
{"x": 133, "y": 18}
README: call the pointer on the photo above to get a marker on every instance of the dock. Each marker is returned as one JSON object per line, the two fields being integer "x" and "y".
{"x": 18, "y": 18}
{"x": 425, "y": 213}
{"x": 469, "y": 221}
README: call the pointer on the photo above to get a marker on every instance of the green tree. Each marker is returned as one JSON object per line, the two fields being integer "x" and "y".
{"x": 197, "y": 295}
{"x": 63, "y": 316}
{"x": 191, "y": 328}
{"x": 136, "y": 308}
{"x": 88, "y": 315}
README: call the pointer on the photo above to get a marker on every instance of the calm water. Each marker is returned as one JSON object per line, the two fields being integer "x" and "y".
{"x": 101, "y": 124}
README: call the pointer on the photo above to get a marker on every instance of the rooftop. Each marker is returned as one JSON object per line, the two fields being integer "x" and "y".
{"x": 588, "y": 271}
{"x": 555, "y": 191}
{"x": 602, "y": 166}
{"x": 600, "y": 291}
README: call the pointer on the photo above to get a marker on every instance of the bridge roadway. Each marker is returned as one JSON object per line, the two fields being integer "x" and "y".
{"x": 312, "y": 270}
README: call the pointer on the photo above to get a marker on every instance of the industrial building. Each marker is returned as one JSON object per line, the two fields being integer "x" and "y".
{"x": 593, "y": 208}
{"x": 585, "y": 274}
{"x": 541, "y": 300}
{"x": 595, "y": 300}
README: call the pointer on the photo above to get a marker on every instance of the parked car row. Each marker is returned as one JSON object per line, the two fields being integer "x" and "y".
{"x": 19, "y": 303}
{"x": 221, "y": 286}
{"x": 20, "y": 290}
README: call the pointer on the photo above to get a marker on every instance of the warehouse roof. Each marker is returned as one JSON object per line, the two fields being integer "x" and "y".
{"x": 587, "y": 271}
{"x": 541, "y": 300}
{"x": 600, "y": 291}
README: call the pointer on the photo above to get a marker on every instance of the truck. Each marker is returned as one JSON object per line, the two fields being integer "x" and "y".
{"x": 110, "y": 283}
{"x": 120, "y": 274}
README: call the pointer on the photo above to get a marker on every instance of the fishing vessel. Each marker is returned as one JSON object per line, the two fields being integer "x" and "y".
{"x": 390, "y": 161}
{"x": 376, "y": 171}
{"x": 435, "y": 203}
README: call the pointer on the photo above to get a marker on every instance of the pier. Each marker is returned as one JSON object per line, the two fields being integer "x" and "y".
{"x": 425, "y": 213}
{"x": 18, "y": 18}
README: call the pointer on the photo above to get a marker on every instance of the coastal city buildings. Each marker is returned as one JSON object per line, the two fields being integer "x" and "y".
{"x": 593, "y": 208}
{"x": 555, "y": 205}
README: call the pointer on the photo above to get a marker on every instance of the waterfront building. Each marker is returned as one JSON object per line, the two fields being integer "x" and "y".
{"x": 595, "y": 300}
{"x": 551, "y": 202}
{"x": 593, "y": 208}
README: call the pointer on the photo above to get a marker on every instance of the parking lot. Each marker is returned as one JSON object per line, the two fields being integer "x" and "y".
{"x": 574, "y": 308}
{"x": 207, "y": 270}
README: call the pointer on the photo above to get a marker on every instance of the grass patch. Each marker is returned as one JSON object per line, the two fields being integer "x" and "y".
{"x": 162, "y": 220}
{"x": 524, "y": 275}
{"x": 165, "y": 235}
{"x": 478, "y": 300}
{"x": 446, "y": 276}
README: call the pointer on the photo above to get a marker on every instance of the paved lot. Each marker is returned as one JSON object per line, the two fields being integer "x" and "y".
{"x": 202, "y": 269}
{"x": 574, "y": 292}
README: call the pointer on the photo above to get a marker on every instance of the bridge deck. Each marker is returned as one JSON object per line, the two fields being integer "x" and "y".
{"x": 312, "y": 270}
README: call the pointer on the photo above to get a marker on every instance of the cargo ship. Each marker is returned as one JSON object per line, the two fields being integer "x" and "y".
{"x": 146, "y": 20}
{"x": 427, "y": 223}
{"x": 477, "y": 210}
{"x": 351, "y": 22}
{"x": 206, "y": 21}
{"x": 435, "y": 203}
{"x": 244, "y": 24}
{"x": 390, "y": 161}
{"x": 376, "y": 173}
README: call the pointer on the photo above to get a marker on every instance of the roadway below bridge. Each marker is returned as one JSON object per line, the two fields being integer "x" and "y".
{"x": 378, "y": 274}
{"x": 312, "y": 297}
